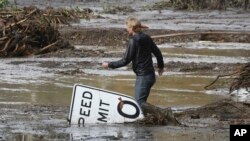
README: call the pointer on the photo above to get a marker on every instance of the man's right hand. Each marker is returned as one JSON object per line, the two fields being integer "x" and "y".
{"x": 105, "y": 64}
{"x": 160, "y": 71}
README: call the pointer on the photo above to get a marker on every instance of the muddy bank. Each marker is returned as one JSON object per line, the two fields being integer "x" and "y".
{"x": 118, "y": 37}
{"x": 221, "y": 113}
{"x": 75, "y": 65}
{"x": 38, "y": 120}
{"x": 46, "y": 122}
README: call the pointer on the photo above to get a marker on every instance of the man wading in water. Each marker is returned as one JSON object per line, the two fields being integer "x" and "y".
{"x": 139, "y": 51}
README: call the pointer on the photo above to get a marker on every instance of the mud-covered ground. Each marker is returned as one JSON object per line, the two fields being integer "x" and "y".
{"x": 219, "y": 44}
{"x": 112, "y": 42}
{"x": 46, "y": 122}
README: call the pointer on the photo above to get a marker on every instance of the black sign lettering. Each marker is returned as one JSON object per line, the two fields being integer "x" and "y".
{"x": 101, "y": 109}
{"x": 81, "y": 121}
{"x": 137, "y": 113}
{"x": 82, "y": 112}
{"x": 103, "y": 118}
{"x": 86, "y": 104}
{"x": 102, "y": 103}
{"x": 103, "y": 112}
{"x": 87, "y": 95}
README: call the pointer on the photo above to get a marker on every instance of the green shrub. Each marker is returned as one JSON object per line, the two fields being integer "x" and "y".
{"x": 3, "y": 3}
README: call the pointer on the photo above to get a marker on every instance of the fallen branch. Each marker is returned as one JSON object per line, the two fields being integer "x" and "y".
{"x": 219, "y": 76}
{"x": 6, "y": 45}
{"x": 194, "y": 33}
{"x": 3, "y": 38}
{"x": 21, "y": 21}
{"x": 241, "y": 79}
{"x": 45, "y": 48}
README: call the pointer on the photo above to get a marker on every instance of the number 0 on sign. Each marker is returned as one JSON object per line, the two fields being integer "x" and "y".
{"x": 94, "y": 105}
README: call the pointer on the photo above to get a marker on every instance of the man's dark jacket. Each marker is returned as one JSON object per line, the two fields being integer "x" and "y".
{"x": 139, "y": 51}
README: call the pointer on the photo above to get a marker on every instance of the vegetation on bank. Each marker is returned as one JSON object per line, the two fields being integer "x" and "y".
{"x": 201, "y": 4}
{"x": 3, "y": 3}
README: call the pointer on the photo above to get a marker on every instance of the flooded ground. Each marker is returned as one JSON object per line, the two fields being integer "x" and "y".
{"x": 48, "y": 82}
{"x": 38, "y": 80}
{"x": 35, "y": 92}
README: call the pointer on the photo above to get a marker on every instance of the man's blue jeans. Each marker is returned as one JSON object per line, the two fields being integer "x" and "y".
{"x": 143, "y": 85}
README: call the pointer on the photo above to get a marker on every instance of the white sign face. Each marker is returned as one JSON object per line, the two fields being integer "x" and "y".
{"x": 93, "y": 105}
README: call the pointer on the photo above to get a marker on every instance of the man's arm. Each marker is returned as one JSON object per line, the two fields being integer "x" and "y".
{"x": 127, "y": 58}
{"x": 156, "y": 51}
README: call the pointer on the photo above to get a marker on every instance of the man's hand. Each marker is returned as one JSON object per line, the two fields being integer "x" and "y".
{"x": 105, "y": 64}
{"x": 160, "y": 71}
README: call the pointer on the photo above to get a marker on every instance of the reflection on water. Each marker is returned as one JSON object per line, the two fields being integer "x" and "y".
{"x": 113, "y": 132}
{"x": 21, "y": 137}
{"x": 128, "y": 132}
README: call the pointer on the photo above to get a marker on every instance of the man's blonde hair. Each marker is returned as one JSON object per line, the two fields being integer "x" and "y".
{"x": 134, "y": 23}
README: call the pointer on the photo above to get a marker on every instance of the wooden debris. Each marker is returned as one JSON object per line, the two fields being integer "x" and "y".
{"x": 32, "y": 31}
{"x": 241, "y": 79}
{"x": 157, "y": 116}
{"x": 198, "y": 33}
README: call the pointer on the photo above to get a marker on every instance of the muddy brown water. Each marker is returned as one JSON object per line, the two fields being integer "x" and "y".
{"x": 57, "y": 90}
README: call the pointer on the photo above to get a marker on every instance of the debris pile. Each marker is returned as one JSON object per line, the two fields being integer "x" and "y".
{"x": 242, "y": 80}
{"x": 65, "y": 16}
{"x": 31, "y": 31}
{"x": 157, "y": 116}
{"x": 53, "y": 16}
